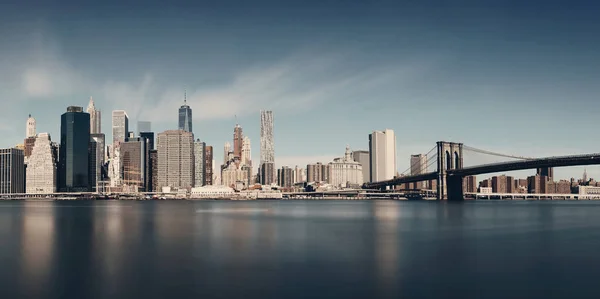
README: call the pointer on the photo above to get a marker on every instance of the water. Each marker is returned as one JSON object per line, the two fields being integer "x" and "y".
{"x": 299, "y": 249}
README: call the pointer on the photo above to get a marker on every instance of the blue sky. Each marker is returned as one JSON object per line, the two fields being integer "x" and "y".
{"x": 517, "y": 77}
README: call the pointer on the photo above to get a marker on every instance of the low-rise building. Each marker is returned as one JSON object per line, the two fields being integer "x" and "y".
{"x": 210, "y": 191}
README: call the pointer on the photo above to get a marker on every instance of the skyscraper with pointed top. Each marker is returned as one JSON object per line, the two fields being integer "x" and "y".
{"x": 30, "y": 127}
{"x": 185, "y": 115}
{"x": 95, "y": 118}
{"x": 238, "y": 141}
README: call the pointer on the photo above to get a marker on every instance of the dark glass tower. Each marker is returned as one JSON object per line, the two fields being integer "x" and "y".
{"x": 185, "y": 116}
{"x": 74, "y": 151}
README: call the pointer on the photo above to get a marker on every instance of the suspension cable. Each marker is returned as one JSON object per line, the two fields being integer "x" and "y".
{"x": 495, "y": 154}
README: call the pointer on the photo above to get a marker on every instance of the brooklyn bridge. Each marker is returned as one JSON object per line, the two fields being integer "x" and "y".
{"x": 447, "y": 161}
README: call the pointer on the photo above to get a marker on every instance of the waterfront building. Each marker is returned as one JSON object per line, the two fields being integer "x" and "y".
{"x": 185, "y": 116}
{"x": 382, "y": 154}
{"x": 74, "y": 151}
{"x": 199, "y": 163}
{"x": 12, "y": 171}
{"x": 28, "y": 144}
{"x": 418, "y": 165}
{"x": 285, "y": 177}
{"x": 470, "y": 184}
{"x": 134, "y": 162}
{"x": 316, "y": 172}
{"x": 299, "y": 175}
{"x": 546, "y": 171}
{"x": 95, "y": 118}
{"x": 226, "y": 151}
{"x": 345, "y": 172}
{"x": 233, "y": 172}
{"x": 499, "y": 184}
{"x": 120, "y": 126}
{"x": 208, "y": 165}
{"x": 211, "y": 192}
{"x": 97, "y": 154}
{"x": 153, "y": 164}
{"x": 537, "y": 184}
{"x": 175, "y": 159}
{"x": 41, "y": 169}
{"x": 363, "y": 158}
{"x": 246, "y": 152}
{"x": 115, "y": 166}
{"x": 93, "y": 165}
{"x": 267, "y": 148}
{"x": 511, "y": 185}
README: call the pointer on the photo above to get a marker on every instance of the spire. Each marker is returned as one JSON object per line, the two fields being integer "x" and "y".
{"x": 185, "y": 96}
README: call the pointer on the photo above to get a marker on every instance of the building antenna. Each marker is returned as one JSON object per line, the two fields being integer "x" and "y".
{"x": 185, "y": 96}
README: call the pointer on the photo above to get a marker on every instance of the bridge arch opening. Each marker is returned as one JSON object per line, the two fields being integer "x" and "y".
{"x": 448, "y": 160}
{"x": 456, "y": 161}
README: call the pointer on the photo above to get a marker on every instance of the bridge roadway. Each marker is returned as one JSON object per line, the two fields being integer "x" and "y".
{"x": 402, "y": 180}
{"x": 569, "y": 196}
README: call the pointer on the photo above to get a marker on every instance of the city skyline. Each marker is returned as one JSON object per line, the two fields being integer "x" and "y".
{"x": 484, "y": 87}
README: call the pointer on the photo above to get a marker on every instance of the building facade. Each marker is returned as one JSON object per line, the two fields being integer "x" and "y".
{"x": 95, "y": 118}
{"x": 316, "y": 172}
{"x": 382, "y": 154}
{"x": 185, "y": 116}
{"x": 246, "y": 152}
{"x": 418, "y": 165}
{"x": 41, "y": 169}
{"x": 74, "y": 151}
{"x": 175, "y": 159}
{"x": 267, "y": 148}
{"x": 12, "y": 171}
{"x": 199, "y": 163}
{"x": 267, "y": 173}
{"x": 208, "y": 166}
{"x": 285, "y": 177}
{"x": 345, "y": 172}
{"x": 30, "y": 130}
{"x": 120, "y": 126}
{"x": 362, "y": 157}
{"x": 98, "y": 153}
{"x": 153, "y": 164}
{"x": 226, "y": 151}
{"x": 470, "y": 184}
{"x": 134, "y": 163}
{"x": 238, "y": 141}
{"x": 299, "y": 175}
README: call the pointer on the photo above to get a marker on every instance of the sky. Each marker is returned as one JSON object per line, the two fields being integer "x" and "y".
{"x": 515, "y": 77}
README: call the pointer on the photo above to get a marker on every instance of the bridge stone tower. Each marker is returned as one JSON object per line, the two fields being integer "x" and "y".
{"x": 449, "y": 156}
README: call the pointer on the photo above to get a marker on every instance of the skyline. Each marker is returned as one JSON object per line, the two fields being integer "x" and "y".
{"x": 332, "y": 74}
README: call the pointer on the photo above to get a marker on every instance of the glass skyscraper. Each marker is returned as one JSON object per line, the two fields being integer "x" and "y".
{"x": 74, "y": 154}
{"x": 185, "y": 116}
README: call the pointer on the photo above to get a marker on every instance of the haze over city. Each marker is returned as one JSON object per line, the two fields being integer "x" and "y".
{"x": 511, "y": 77}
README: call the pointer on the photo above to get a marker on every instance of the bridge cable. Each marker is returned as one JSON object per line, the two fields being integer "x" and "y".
{"x": 495, "y": 154}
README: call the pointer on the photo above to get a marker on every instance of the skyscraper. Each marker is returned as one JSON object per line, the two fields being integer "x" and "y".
{"x": 175, "y": 159}
{"x": 12, "y": 171}
{"x": 418, "y": 165}
{"x": 74, "y": 146}
{"x": 30, "y": 128}
{"x": 144, "y": 126}
{"x": 382, "y": 152}
{"x": 238, "y": 141}
{"x": 185, "y": 116}
{"x": 285, "y": 177}
{"x": 120, "y": 126}
{"x": 267, "y": 148}
{"x": 41, "y": 169}
{"x": 100, "y": 140}
{"x": 150, "y": 137}
{"x": 153, "y": 165}
{"x": 246, "y": 152}
{"x": 133, "y": 161}
{"x": 95, "y": 118}
{"x": 208, "y": 165}
{"x": 362, "y": 157}
{"x": 199, "y": 162}
{"x": 226, "y": 151}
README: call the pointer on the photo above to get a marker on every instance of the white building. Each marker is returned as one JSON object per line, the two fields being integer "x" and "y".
{"x": 299, "y": 175}
{"x": 382, "y": 152}
{"x": 232, "y": 173}
{"x": 95, "y": 118}
{"x": 115, "y": 168}
{"x": 30, "y": 128}
{"x": 175, "y": 159}
{"x": 41, "y": 170}
{"x": 246, "y": 152}
{"x": 211, "y": 192}
{"x": 363, "y": 158}
{"x": 120, "y": 126}
{"x": 345, "y": 172}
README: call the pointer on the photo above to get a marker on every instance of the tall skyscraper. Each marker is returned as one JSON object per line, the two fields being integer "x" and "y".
{"x": 208, "y": 165}
{"x": 12, "y": 171}
{"x": 382, "y": 152}
{"x": 185, "y": 116}
{"x": 226, "y": 151}
{"x": 547, "y": 171}
{"x": 150, "y": 137}
{"x": 153, "y": 165}
{"x": 100, "y": 140}
{"x": 144, "y": 126}
{"x": 246, "y": 152}
{"x": 30, "y": 127}
{"x": 133, "y": 161}
{"x": 95, "y": 118}
{"x": 120, "y": 126}
{"x": 418, "y": 165}
{"x": 199, "y": 163}
{"x": 41, "y": 169}
{"x": 74, "y": 146}
{"x": 285, "y": 177}
{"x": 363, "y": 158}
{"x": 238, "y": 141}
{"x": 267, "y": 148}
{"x": 175, "y": 159}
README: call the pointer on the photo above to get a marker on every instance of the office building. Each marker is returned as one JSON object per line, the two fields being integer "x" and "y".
{"x": 536, "y": 184}
{"x": 418, "y": 165}
{"x": 238, "y": 141}
{"x": 235, "y": 175}
{"x": 185, "y": 116}
{"x": 470, "y": 184}
{"x": 299, "y": 175}
{"x": 285, "y": 177}
{"x": 199, "y": 162}
{"x": 175, "y": 159}
{"x": 97, "y": 153}
{"x": 30, "y": 127}
{"x": 511, "y": 185}
{"x": 12, "y": 171}
{"x": 316, "y": 172}
{"x": 74, "y": 146}
{"x": 208, "y": 165}
{"x": 267, "y": 148}
{"x": 362, "y": 157}
{"x": 41, "y": 169}
{"x": 345, "y": 172}
{"x": 120, "y": 126}
{"x": 95, "y": 118}
{"x": 246, "y": 152}
{"x": 144, "y": 126}
{"x": 134, "y": 162}
{"x": 382, "y": 154}
{"x": 546, "y": 171}
{"x": 28, "y": 144}
{"x": 150, "y": 137}
{"x": 226, "y": 151}
{"x": 115, "y": 166}
{"x": 499, "y": 184}
{"x": 153, "y": 165}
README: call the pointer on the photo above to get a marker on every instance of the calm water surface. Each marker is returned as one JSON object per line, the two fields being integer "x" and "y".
{"x": 299, "y": 249}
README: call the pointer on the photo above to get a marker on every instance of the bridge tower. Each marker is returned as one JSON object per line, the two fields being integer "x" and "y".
{"x": 449, "y": 156}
